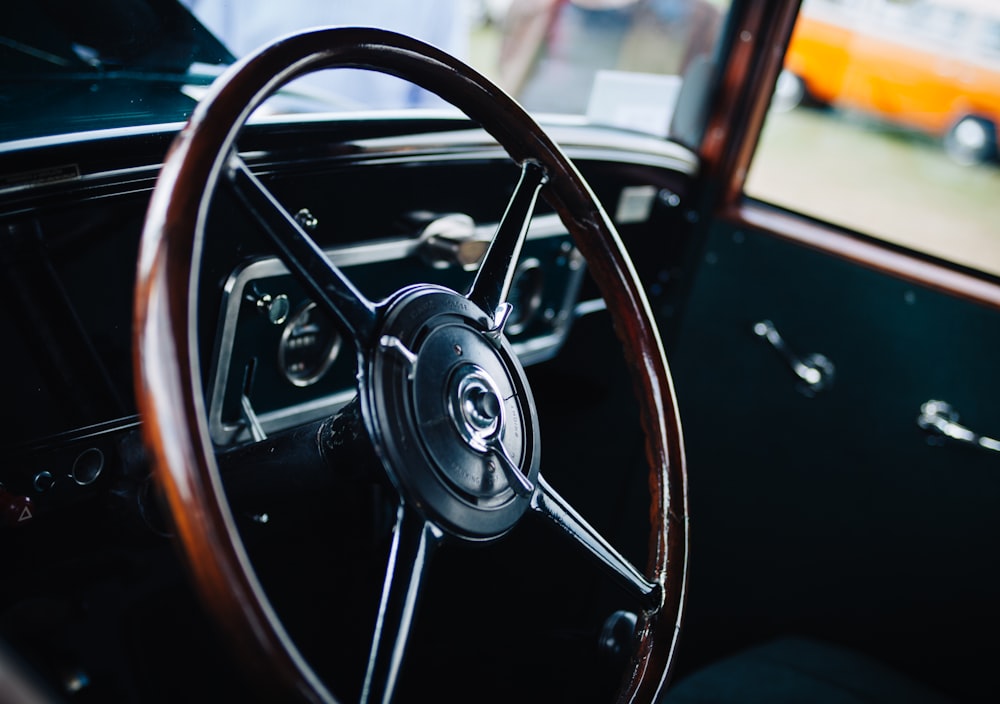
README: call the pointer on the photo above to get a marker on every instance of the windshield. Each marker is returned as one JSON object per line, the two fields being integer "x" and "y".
{"x": 71, "y": 66}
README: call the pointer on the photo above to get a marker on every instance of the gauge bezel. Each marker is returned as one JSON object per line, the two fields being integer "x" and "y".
{"x": 324, "y": 364}
{"x": 530, "y": 307}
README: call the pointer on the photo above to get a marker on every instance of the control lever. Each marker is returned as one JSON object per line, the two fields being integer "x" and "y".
{"x": 452, "y": 240}
{"x": 249, "y": 415}
{"x": 815, "y": 371}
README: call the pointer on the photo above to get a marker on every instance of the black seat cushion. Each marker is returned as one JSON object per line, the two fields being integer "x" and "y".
{"x": 799, "y": 670}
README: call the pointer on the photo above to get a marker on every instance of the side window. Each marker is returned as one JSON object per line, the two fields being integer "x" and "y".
{"x": 885, "y": 121}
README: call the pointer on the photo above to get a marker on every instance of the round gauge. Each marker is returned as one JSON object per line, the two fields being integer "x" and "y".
{"x": 309, "y": 345}
{"x": 525, "y": 295}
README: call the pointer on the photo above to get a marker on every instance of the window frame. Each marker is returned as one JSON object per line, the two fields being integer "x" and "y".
{"x": 756, "y": 36}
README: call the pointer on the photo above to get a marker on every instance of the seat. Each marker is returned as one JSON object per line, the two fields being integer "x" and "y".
{"x": 799, "y": 670}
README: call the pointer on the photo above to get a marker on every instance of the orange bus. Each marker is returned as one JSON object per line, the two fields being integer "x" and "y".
{"x": 933, "y": 65}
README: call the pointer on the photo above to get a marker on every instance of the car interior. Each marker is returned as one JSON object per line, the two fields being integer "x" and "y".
{"x": 467, "y": 405}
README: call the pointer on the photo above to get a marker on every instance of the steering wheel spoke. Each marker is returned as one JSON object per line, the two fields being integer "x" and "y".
{"x": 492, "y": 284}
{"x": 325, "y": 282}
{"x": 413, "y": 542}
{"x": 546, "y": 501}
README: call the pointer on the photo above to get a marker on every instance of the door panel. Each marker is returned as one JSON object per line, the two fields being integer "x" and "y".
{"x": 832, "y": 515}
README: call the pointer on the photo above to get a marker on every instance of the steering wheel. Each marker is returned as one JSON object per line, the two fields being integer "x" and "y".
{"x": 444, "y": 403}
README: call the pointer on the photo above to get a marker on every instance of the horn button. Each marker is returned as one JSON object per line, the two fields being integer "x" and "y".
{"x": 442, "y": 392}
{"x": 476, "y": 406}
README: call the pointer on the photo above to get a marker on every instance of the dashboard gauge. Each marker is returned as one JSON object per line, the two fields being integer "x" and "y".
{"x": 309, "y": 344}
{"x": 525, "y": 295}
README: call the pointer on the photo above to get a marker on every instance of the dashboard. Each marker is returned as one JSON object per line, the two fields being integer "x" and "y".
{"x": 388, "y": 210}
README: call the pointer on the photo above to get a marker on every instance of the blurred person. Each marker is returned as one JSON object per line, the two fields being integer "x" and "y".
{"x": 245, "y": 25}
{"x": 551, "y": 50}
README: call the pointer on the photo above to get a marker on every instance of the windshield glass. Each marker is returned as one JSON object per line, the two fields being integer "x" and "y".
{"x": 73, "y": 66}
{"x": 70, "y": 66}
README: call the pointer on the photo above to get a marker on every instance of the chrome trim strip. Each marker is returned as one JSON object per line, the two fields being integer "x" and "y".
{"x": 77, "y": 435}
{"x": 579, "y": 140}
{"x": 61, "y": 140}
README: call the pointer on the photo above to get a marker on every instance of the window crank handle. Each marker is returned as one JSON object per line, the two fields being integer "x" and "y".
{"x": 815, "y": 371}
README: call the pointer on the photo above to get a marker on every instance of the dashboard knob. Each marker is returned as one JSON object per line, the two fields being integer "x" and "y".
{"x": 274, "y": 308}
{"x": 43, "y": 481}
{"x": 307, "y": 220}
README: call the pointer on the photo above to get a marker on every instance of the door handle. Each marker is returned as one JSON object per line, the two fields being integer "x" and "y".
{"x": 815, "y": 371}
{"x": 940, "y": 419}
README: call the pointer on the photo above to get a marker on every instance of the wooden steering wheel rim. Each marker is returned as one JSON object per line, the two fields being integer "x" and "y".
{"x": 168, "y": 383}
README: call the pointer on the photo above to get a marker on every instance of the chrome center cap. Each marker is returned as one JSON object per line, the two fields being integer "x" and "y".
{"x": 476, "y": 406}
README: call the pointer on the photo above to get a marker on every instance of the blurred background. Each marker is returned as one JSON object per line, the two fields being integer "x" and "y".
{"x": 884, "y": 120}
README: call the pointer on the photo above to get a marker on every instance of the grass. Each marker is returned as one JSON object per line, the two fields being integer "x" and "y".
{"x": 882, "y": 181}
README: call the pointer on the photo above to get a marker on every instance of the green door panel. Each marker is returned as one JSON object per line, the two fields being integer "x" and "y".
{"x": 833, "y": 516}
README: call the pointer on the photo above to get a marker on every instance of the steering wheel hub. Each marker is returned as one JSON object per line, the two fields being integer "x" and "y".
{"x": 441, "y": 397}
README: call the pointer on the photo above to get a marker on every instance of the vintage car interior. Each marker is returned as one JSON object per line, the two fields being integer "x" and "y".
{"x": 458, "y": 403}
